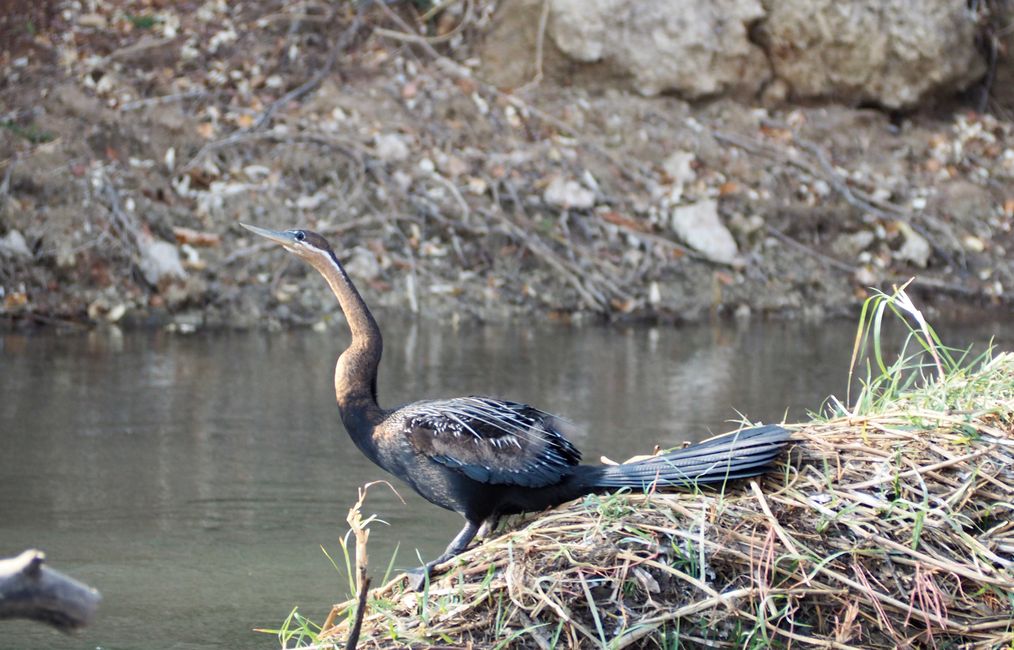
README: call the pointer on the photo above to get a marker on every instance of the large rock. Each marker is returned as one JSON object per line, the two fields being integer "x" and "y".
{"x": 894, "y": 53}
{"x": 695, "y": 49}
{"x": 890, "y": 52}
{"x": 1002, "y": 88}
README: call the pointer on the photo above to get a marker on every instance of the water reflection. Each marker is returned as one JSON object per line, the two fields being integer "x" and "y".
{"x": 193, "y": 479}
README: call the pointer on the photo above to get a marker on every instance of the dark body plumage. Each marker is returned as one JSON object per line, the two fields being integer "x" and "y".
{"x": 484, "y": 457}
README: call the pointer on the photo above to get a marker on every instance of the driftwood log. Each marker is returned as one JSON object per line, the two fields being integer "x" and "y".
{"x": 28, "y": 589}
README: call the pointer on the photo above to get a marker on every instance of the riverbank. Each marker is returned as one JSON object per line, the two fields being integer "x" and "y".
{"x": 134, "y": 143}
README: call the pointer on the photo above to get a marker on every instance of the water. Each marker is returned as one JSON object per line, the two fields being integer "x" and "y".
{"x": 193, "y": 480}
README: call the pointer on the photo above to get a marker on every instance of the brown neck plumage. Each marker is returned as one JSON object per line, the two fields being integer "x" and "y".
{"x": 355, "y": 375}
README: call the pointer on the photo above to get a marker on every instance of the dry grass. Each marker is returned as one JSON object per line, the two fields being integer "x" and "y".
{"x": 887, "y": 524}
{"x": 886, "y": 529}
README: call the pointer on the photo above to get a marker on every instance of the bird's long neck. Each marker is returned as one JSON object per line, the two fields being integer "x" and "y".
{"x": 355, "y": 375}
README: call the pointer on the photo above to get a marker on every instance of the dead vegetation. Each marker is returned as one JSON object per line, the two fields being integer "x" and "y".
{"x": 880, "y": 534}
{"x": 888, "y": 525}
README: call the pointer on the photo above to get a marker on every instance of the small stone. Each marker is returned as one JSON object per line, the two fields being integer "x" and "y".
{"x": 775, "y": 93}
{"x": 850, "y": 245}
{"x": 679, "y": 166}
{"x": 391, "y": 147}
{"x": 915, "y": 249}
{"x": 568, "y": 194}
{"x": 116, "y": 313}
{"x": 96, "y": 308}
{"x": 66, "y": 257}
{"x": 13, "y": 244}
{"x": 93, "y": 20}
{"x": 159, "y": 259}
{"x": 866, "y": 276}
{"x": 453, "y": 166}
{"x": 973, "y": 243}
{"x": 699, "y": 227}
{"x": 745, "y": 226}
{"x": 476, "y": 186}
{"x": 402, "y": 180}
{"x": 311, "y": 202}
{"x": 654, "y": 294}
{"x": 188, "y": 322}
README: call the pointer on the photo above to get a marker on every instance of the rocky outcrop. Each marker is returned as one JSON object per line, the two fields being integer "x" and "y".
{"x": 1001, "y": 42}
{"x": 696, "y": 49}
{"x": 893, "y": 53}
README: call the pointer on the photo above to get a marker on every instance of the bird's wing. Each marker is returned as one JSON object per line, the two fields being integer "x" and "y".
{"x": 490, "y": 440}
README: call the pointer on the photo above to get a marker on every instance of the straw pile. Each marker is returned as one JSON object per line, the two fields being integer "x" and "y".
{"x": 884, "y": 530}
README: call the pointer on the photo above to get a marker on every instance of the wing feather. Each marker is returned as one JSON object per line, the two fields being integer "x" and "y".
{"x": 490, "y": 440}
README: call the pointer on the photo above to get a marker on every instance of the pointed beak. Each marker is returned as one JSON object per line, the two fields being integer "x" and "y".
{"x": 278, "y": 236}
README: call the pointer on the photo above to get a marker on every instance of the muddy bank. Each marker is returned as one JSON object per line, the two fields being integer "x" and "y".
{"x": 134, "y": 141}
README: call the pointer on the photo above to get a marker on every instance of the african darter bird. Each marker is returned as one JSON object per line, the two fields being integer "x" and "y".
{"x": 484, "y": 457}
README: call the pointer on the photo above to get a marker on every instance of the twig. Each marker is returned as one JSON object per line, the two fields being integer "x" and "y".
{"x": 593, "y": 609}
{"x": 772, "y": 520}
{"x": 5, "y": 186}
{"x": 163, "y": 99}
{"x": 139, "y": 47}
{"x": 648, "y": 625}
{"x": 921, "y": 470}
{"x": 435, "y": 9}
{"x": 410, "y": 37}
{"x": 562, "y": 612}
{"x": 830, "y": 261}
{"x": 853, "y": 196}
{"x": 357, "y": 625}
{"x": 958, "y": 289}
{"x": 535, "y": 245}
{"x": 540, "y": 38}
{"x": 130, "y": 231}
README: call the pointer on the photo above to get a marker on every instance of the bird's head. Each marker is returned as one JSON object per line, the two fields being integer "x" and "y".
{"x": 306, "y": 244}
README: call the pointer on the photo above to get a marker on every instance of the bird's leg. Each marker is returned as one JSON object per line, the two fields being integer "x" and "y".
{"x": 488, "y": 526}
{"x": 417, "y": 577}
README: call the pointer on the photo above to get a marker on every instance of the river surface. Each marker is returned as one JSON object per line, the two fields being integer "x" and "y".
{"x": 194, "y": 480}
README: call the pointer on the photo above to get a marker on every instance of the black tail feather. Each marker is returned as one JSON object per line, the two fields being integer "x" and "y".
{"x": 741, "y": 454}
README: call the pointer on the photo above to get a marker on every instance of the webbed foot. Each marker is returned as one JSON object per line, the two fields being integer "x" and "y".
{"x": 418, "y": 577}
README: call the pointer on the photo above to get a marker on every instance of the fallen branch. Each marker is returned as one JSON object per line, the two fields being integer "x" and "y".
{"x": 29, "y": 589}
{"x": 829, "y": 261}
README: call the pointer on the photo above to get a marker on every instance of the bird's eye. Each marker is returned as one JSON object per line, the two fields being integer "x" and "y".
{"x": 300, "y": 235}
